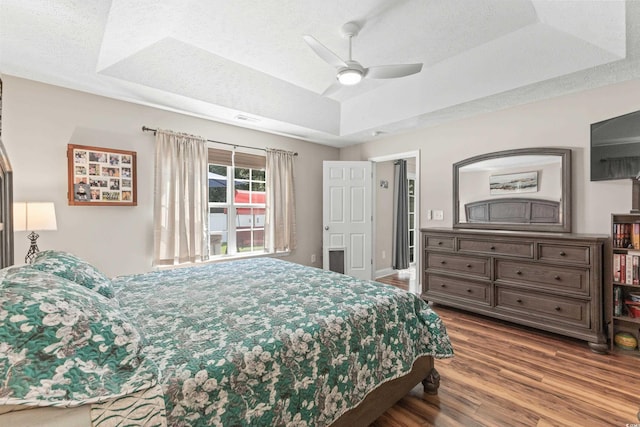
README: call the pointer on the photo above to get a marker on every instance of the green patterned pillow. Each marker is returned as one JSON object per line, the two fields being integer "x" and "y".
{"x": 72, "y": 268}
{"x": 61, "y": 343}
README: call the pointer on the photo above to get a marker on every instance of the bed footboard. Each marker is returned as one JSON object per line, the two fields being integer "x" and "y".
{"x": 386, "y": 395}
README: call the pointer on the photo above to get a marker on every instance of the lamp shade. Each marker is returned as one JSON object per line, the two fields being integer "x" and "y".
{"x": 34, "y": 216}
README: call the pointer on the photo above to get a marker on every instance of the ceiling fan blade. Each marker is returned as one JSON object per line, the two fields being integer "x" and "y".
{"x": 336, "y": 86}
{"x": 393, "y": 71}
{"x": 323, "y": 52}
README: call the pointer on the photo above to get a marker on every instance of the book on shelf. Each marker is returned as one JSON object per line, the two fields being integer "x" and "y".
{"x": 617, "y": 301}
{"x": 626, "y": 235}
{"x": 626, "y": 269}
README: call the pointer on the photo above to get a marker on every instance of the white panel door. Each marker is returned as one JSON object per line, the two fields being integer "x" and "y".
{"x": 347, "y": 215}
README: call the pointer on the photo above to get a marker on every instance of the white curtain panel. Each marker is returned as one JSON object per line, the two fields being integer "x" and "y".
{"x": 181, "y": 220}
{"x": 280, "y": 222}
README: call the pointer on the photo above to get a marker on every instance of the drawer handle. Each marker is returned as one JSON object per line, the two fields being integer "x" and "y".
{"x": 558, "y": 308}
{"x": 439, "y": 243}
{"x": 443, "y": 262}
{"x": 469, "y": 290}
{"x": 562, "y": 253}
{"x": 442, "y": 285}
{"x": 469, "y": 265}
{"x": 493, "y": 248}
{"x": 519, "y": 272}
{"x": 557, "y": 277}
{"x": 519, "y": 301}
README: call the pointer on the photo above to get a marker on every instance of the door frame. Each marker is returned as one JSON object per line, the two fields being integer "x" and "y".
{"x": 389, "y": 157}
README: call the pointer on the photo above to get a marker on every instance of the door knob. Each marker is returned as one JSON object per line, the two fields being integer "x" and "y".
{"x": 326, "y": 227}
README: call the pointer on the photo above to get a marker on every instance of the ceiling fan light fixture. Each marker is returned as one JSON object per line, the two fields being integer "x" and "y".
{"x": 350, "y": 76}
{"x": 351, "y": 72}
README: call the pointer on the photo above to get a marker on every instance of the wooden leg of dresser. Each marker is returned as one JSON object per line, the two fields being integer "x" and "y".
{"x": 600, "y": 348}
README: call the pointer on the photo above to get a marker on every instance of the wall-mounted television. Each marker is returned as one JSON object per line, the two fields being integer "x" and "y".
{"x": 615, "y": 148}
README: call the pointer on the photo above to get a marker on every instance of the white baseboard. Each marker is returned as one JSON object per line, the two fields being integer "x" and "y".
{"x": 384, "y": 272}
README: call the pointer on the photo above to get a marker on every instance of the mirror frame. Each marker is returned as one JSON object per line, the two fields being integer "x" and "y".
{"x": 563, "y": 226}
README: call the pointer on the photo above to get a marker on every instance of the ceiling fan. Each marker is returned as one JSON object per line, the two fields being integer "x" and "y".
{"x": 350, "y": 72}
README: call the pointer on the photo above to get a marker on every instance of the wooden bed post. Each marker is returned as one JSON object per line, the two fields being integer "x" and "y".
{"x": 432, "y": 382}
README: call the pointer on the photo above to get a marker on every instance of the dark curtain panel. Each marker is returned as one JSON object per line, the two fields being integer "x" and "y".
{"x": 623, "y": 166}
{"x": 400, "y": 217}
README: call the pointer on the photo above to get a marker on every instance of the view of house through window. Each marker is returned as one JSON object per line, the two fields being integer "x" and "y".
{"x": 236, "y": 209}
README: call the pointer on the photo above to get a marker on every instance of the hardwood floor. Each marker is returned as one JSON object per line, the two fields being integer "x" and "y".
{"x": 507, "y": 375}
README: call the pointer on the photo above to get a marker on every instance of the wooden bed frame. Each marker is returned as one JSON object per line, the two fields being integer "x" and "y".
{"x": 374, "y": 405}
{"x": 386, "y": 395}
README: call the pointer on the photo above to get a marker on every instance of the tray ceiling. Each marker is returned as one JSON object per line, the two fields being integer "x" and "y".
{"x": 245, "y": 62}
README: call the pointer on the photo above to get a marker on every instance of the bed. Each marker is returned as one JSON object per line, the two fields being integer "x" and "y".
{"x": 250, "y": 342}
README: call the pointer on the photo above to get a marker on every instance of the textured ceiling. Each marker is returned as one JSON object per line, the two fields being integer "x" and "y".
{"x": 223, "y": 59}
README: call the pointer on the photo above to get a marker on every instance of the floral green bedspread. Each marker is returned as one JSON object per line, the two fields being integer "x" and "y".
{"x": 265, "y": 342}
{"x": 62, "y": 344}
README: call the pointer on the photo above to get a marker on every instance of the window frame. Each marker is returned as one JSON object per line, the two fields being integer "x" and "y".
{"x": 232, "y": 215}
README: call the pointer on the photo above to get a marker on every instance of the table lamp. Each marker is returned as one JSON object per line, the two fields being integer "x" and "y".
{"x": 33, "y": 216}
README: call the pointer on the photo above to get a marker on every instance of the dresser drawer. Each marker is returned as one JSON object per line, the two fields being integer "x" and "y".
{"x": 572, "y": 254}
{"x": 466, "y": 289}
{"x": 548, "y": 276}
{"x": 473, "y": 266}
{"x": 516, "y": 249}
{"x": 550, "y": 308}
{"x": 438, "y": 242}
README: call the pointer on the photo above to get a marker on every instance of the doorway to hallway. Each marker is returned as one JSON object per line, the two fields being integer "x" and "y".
{"x": 383, "y": 236}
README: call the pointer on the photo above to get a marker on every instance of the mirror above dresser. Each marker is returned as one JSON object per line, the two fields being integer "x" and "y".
{"x": 524, "y": 189}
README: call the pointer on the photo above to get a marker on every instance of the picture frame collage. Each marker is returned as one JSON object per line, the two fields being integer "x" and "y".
{"x": 101, "y": 176}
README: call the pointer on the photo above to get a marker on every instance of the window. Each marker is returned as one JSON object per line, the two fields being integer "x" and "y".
{"x": 236, "y": 203}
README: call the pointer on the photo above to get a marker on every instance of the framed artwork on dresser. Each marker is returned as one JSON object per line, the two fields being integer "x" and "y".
{"x": 101, "y": 176}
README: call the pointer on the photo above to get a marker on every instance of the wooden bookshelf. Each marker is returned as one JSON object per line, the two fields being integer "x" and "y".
{"x": 625, "y": 275}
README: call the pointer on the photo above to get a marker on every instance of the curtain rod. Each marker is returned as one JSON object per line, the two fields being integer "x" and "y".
{"x": 606, "y": 159}
{"x": 148, "y": 129}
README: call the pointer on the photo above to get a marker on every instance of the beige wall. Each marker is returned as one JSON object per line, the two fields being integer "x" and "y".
{"x": 39, "y": 121}
{"x": 384, "y": 216}
{"x": 562, "y": 122}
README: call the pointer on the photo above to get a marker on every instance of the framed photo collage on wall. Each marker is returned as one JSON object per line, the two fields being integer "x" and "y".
{"x": 101, "y": 176}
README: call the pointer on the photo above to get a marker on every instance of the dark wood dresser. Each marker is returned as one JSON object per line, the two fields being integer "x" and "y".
{"x": 549, "y": 281}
